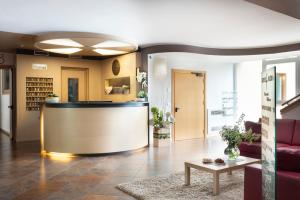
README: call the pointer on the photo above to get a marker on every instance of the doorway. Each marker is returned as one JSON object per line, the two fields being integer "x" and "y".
{"x": 188, "y": 104}
{"x": 74, "y": 84}
{"x": 7, "y": 101}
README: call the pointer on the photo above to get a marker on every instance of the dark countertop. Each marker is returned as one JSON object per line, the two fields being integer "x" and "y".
{"x": 96, "y": 104}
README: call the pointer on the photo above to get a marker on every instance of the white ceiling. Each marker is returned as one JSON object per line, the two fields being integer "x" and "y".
{"x": 206, "y": 23}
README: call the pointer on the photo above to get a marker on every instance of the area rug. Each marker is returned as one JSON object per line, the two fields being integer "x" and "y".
{"x": 171, "y": 187}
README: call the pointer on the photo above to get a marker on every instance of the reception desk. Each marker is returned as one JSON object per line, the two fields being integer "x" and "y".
{"x": 94, "y": 127}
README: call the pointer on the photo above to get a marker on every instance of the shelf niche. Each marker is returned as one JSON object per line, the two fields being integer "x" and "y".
{"x": 117, "y": 86}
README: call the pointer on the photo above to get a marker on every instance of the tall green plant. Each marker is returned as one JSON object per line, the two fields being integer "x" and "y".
{"x": 161, "y": 120}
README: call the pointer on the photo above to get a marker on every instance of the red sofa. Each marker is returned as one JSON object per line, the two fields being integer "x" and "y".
{"x": 288, "y": 135}
{"x": 288, "y": 184}
{"x": 288, "y": 162}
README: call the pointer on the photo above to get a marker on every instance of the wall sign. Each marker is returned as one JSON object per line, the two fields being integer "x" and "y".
{"x": 268, "y": 139}
{"x": 116, "y": 67}
{"x": 7, "y": 59}
{"x": 39, "y": 66}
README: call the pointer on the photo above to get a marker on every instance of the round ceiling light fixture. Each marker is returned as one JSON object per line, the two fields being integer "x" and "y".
{"x": 84, "y": 44}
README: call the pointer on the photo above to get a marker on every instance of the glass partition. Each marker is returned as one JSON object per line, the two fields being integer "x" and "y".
{"x": 269, "y": 134}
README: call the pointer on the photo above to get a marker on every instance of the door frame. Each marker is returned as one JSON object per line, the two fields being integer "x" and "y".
{"x": 13, "y": 92}
{"x": 86, "y": 70}
{"x": 173, "y": 97}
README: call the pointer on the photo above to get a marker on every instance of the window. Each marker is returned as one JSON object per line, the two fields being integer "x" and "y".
{"x": 6, "y": 81}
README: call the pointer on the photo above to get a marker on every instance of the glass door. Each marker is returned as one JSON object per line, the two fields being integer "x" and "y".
{"x": 72, "y": 89}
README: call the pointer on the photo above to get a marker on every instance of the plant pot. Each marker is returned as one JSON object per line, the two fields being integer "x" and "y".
{"x": 52, "y": 100}
{"x": 232, "y": 152}
{"x": 141, "y": 99}
{"x": 161, "y": 137}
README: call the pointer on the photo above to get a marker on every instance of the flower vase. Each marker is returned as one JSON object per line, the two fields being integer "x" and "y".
{"x": 161, "y": 137}
{"x": 232, "y": 152}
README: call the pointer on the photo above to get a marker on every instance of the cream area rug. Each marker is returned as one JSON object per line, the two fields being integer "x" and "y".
{"x": 172, "y": 187}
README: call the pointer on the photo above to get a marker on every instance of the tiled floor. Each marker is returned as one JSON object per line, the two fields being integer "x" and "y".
{"x": 26, "y": 175}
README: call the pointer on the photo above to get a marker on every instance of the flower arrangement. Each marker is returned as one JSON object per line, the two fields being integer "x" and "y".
{"x": 142, "y": 79}
{"x": 161, "y": 122}
{"x": 233, "y": 136}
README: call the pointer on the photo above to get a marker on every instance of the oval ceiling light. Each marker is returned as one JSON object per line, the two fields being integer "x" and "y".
{"x": 62, "y": 42}
{"x": 111, "y": 43}
{"x": 106, "y": 52}
{"x": 83, "y": 44}
{"x": 64, "y": 50}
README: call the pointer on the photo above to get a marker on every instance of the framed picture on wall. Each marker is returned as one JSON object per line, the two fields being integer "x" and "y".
{"x": 6, "y": 81}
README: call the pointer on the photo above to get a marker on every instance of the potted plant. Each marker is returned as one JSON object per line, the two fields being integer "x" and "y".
{"x": 161, "y": 127}
{"x": 52, "y": 98}
{"x": 142, "y": 79}
{"x": 142, "y": 96}
{"x": 233, "y": 136}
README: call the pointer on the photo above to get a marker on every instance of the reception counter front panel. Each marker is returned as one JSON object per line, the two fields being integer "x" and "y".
{"x": 94, "y": 127}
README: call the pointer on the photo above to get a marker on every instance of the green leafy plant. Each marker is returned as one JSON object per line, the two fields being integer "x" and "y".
{"x": 161, "y": 119}
{"x": 250, "y": 137}
{"x": 52, "y": 95}
{"x": 233, "y": 136}
{"x": 142, "y": 94}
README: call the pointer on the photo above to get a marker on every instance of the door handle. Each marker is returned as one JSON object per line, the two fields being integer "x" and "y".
{"x": 176, "y": 109}
{"x": 11, "y": 107}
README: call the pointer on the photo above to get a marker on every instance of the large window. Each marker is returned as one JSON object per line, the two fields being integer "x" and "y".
{"x": 285, "y": 82}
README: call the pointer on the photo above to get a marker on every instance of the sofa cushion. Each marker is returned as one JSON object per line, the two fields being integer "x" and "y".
{"x": 256, "y": 127}
{"x": 288, "y": 158}
{"x": 253, "y": 148}
{"x": 285, "y": 130}
{"x": 278, "y": 145}
{"x": 296, "y": 135}
{"x": 288, "y": 184}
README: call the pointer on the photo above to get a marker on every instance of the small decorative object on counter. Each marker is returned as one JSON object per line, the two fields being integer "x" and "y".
{"x": 52, "y": 98}
{"x": 207, "y": 160}
{"x": 219, "y": 161}
{"x": 161, "y": 127}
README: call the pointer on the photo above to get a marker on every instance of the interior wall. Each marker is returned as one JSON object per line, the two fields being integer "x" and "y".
{"x": 219, "y": 79}
{"x": 128, "y": 65}
{"x": 28, "y": 121}
{"x": 248, "y": 78}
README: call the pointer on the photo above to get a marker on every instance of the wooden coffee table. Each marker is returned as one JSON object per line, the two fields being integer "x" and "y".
{"x": 216, "y": 169}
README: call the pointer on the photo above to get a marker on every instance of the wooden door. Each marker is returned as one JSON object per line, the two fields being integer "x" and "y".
{"x": 74, "y": 80}
{"x": 189, "y": 104}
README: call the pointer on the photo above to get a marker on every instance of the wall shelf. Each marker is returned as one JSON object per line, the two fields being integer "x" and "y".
{"x": 37, "y": 89}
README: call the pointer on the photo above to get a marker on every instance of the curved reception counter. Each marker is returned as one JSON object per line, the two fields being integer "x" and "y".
{"x": 94, "y": 127}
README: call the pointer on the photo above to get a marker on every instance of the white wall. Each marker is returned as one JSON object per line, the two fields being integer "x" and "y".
{"x": 248, "y": 80}
{"x": 219, "y": 78}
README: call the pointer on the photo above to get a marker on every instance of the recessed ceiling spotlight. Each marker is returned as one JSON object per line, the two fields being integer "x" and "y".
{"x": 62, "y": 42}
{"x": 64, "y": 50}
{"x": 109, "y": 52}
{"x": 111, "y": 43}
